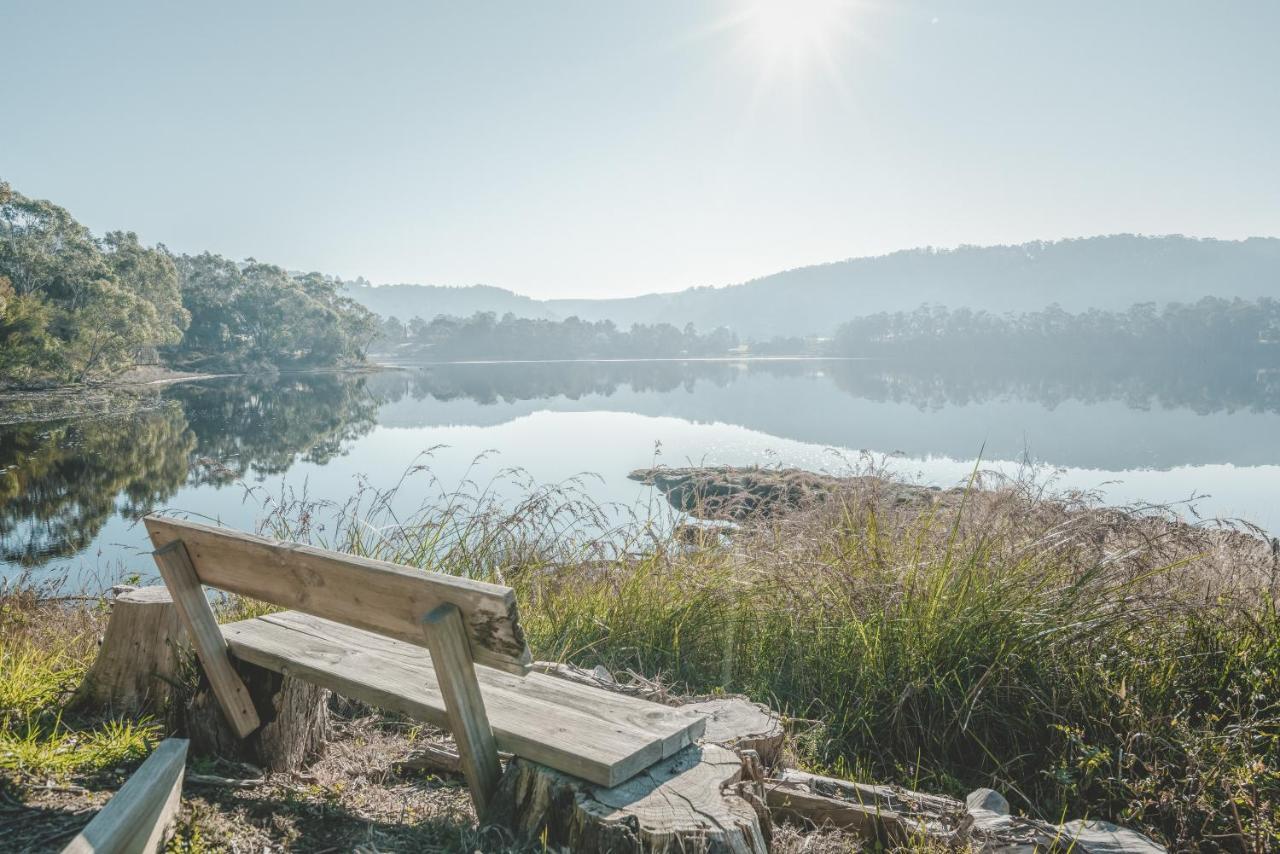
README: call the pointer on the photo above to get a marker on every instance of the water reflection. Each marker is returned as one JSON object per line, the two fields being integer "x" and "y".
{"x": 1203, "y": 388}
{"x": 61, "y": 482}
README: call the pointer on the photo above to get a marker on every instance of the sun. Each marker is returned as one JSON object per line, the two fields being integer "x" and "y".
{"x": 795, "y": 33}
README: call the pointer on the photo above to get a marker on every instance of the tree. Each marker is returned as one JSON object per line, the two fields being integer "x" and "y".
{"x": 75, "y": 305}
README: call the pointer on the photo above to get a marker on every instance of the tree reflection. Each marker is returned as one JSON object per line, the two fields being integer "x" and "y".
{"x": 264, "y": 425}
{"x": 1203, "y": 386}
{"x": 60, "y": 482}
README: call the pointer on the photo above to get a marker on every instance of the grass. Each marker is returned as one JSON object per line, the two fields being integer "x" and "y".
{"x": 1087, "y": 662}
{"x": 45, "y": 650}
{"x": 1084, "y": 661}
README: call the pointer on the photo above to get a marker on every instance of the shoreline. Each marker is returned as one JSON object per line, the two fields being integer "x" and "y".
{"x": 122, "y": 393}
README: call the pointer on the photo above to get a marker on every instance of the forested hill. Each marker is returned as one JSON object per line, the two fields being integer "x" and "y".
{"x": 1099, "y": 272}
{"x": 428, "y": 301}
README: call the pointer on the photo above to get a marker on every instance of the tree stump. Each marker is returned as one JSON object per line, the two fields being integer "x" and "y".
{"x": 294, "y": 715}
{"x": 139, "y": 660}
{"x": 741, "y": 725}
{"x": 685, "y": 803}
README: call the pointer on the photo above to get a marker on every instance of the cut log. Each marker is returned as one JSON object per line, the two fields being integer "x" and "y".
{"x": 740, "y": 725}
{"x": 688, "y": 802}
{"x": 137, "y": 664}
{"x": 294, "y": 715}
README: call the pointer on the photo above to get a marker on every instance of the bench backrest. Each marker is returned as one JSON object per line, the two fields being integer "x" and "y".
{"x": 374, "y": 595}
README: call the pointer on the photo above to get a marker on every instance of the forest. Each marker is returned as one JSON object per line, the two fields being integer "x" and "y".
{"x": 485, "y": 336}
{"x": 77, "y": 307}
{"x": 1213, "y": 330}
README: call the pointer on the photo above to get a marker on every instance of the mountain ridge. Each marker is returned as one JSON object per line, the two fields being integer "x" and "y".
{"x": 1104, "y": 272}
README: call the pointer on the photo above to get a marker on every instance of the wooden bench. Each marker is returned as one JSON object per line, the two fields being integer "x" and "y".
{"x": 357, "y": 626}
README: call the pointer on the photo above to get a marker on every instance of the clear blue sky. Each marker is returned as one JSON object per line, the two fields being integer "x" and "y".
{"x": 599, "y": 148}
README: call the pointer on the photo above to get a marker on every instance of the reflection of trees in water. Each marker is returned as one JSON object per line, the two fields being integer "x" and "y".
{"x": 266, "y": 424}
{"x": 491, "y": 383}
{"x": 1203, "y": 386}
{"x": 60, "y": 482}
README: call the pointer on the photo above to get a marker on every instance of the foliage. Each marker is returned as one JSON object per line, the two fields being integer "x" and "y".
{"x": 1146, "y": 338}
{"x": 259, "y": 314}
{"x": 44, "y": 652}
{"x": 486, "y": 336}
{"x": 74, "y": 306}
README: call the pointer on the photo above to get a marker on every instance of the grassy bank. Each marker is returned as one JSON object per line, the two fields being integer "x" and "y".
{"x": 1084, "y": 661}
{"x": 1088, "y": 662}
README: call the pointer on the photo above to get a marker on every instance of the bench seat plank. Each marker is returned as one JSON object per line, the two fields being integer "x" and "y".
{"x": 602, "y": 737}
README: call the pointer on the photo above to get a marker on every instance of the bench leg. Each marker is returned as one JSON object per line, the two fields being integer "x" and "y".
{"x": 202, "y": 626}
{"x": 456, "y": 673}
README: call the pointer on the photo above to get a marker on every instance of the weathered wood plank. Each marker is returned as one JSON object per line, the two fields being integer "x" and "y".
{"x": 370, "y": 594}
{"x": 601, "y": 737}
{"x": 137, "y": 819}
{"x": 670, "y": 727}
{"x": 686, "y": 802}
{"x": 456, "y": 674}
{"x": 202, "y": 627}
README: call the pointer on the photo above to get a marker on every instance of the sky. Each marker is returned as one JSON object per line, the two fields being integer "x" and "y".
{"x": 600, "y": 149}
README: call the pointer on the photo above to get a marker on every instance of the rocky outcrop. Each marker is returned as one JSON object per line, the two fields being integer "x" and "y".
{"x": 729, "y": 494}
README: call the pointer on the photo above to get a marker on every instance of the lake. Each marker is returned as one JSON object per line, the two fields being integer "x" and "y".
{"x": 72, "y": 489}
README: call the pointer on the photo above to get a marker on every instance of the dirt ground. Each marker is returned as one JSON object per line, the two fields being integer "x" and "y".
{"x": 358, "y": 797}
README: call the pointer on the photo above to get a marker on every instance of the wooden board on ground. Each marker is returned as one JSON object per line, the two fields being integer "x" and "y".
{"x": 601, "y": 737}
{"x": 684, "y": 803}
{"x": 138, "y": 817}
{"x": 375, "y": 595}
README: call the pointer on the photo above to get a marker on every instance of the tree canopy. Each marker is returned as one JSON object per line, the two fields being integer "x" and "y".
{"x": 485, "y": 336}
{"x": 256, "y": 313}
{"x": 74, "y": 306}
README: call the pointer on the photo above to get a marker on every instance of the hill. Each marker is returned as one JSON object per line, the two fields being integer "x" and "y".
{"x": 1111, "y": 272}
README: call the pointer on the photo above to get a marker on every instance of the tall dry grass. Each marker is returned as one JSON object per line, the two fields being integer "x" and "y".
{"x": 1113, "y": 663}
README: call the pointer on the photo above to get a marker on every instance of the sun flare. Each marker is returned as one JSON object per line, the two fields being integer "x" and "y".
{"x": 795, "y": 32}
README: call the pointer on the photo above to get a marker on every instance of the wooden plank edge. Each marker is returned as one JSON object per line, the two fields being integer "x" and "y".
{"x": 138, "y": 814}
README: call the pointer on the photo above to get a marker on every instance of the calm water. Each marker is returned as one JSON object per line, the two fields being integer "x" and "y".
{"x": 71, "y": 490}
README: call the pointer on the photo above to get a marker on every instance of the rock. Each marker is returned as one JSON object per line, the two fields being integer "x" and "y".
{"x": 988, "y": 800}
{"x": 735, "y": 494}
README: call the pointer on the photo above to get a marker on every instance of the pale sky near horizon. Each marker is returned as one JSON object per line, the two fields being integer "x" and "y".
{"x": 609, "y": 149}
